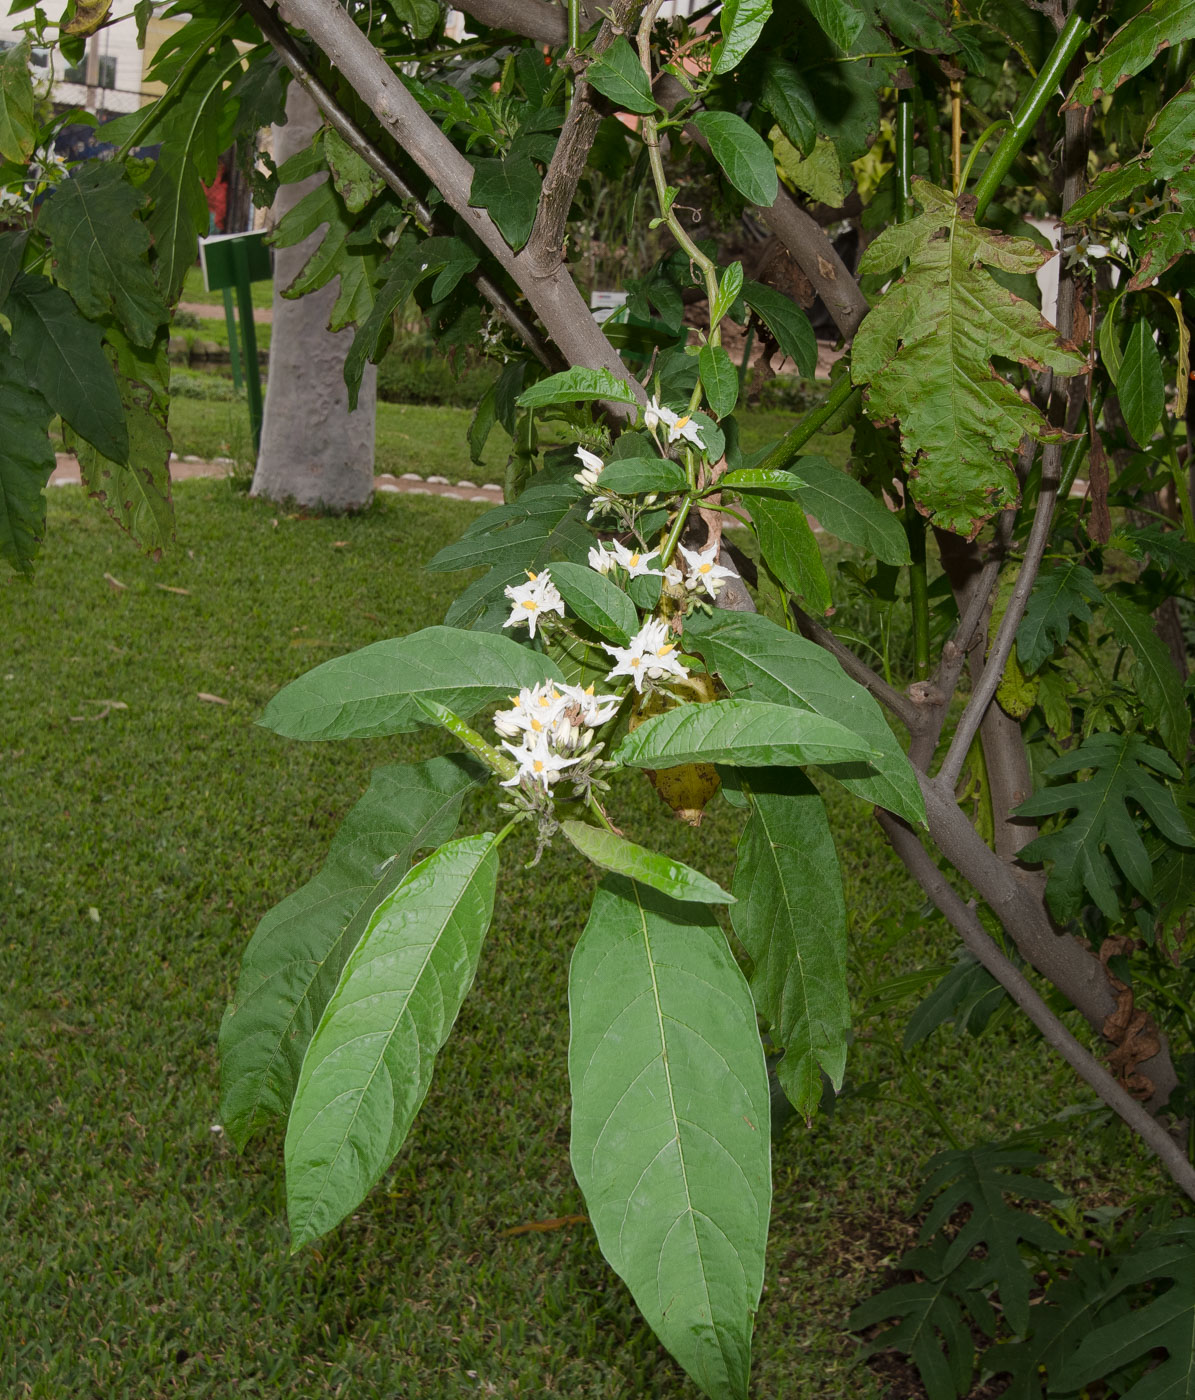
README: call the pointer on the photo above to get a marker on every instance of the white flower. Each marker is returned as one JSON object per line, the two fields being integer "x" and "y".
{"x": 601, "y": 559}
{"x": 704, "y": 570}
{"x": 539, "y": 762}
{"x": 633, "y": 561}
{"x": 592, "y": 465}
{"x": 651, "y": 416}
{"x": 678, "y": 425}
{"x": 649, "y": 657}
{"x": 532, "y": 598}
{"x": 536, "y": 711}
{"x": 595, "y": 710}
{"x": 673, "y": 576}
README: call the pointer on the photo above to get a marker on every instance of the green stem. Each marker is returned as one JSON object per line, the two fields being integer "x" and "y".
{"x": 918, "y": 586}
{"x": 932, "y": 135}
{"x": 490, "y": 756}
{"x": 975, "y": 150}
{"x": 904, "y": 153}
{"x": 151, "y": 116}
{"x": 674, "y": 534}
{"x": 786, "y": 450}
{"x": 748, "y": 342}
{"x": 596, "y": 808}
{"x": 1043, "y": 90}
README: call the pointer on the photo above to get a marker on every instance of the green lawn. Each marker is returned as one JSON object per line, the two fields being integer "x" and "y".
{"x": 146, "y": 830}
{"x": 194, "y": 291}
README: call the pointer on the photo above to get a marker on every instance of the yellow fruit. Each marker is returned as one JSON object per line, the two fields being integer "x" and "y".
{"x": 687, "y": 788}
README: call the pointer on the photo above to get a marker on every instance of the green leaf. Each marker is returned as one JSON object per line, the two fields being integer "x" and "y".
{"x": 757, "y": 657}
{"x": 599, "y": 603}
{"x": 1104, "y": 835}
{"x": 332, "y": 257}
{"x": 355, "y": 181}
{"x": 294, "y": 960}
{"x": 1140, "y": 385}
{"x": 369, "y": 1064}
{"x": 818, "y": 174}
{"x": 786, "y": 95}
{"x": 743, "y": 155}
{"x": 840, "y": 20}
{"x": 1060, "y": 592}
{"x": 751, "y": 479}
{"x": 741, "y": 22}
{"x": 747, "y": 733}
{"x": 634, "y": 476}
{"x": 790, "y": 550}
{"x": 619, "y": 75}
{"x": 848, "y": 510}
{"x": 1133, "y": 47}
{"x": 509, "y": 189}
{"x": 26, "y": 461}
{"x": 1110, "y": 187}
{"x": 63, "y": 358}
{"x": 1110, "y": 349}
{"x": 660, "y": 872}
{"x": 670, "y": 1129}
{"x": 12, "y": 251}
{"x": 926, "y": 351}
{"x": 374, "y": 691}
{"x": 791, "y": 919}
{"x": 788, "y": 324}
{"x": 719, "y": 379}
{"x": 729, "y": 286}
{"x": 18, "y": 127}
{"x": 100, "y": 249}
{"x": 967, "y": 995}
{"x": 422, "y": 16}
{"x": 1171, "y": 137}
{"x": 576, "y": 386}
{"x": 1158, "y": 685}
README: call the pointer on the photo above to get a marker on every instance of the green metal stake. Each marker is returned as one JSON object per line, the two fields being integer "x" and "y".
{"x": 248, "y": 341}
{"x": 234, "y": 353}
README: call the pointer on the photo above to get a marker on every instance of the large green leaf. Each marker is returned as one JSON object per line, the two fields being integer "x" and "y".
{"x": 509, "y": 189}
{"x": 791, "y": 918}
{"x": 12, "y": 252}
{"x": 376, "y": 690}
{"x": 840, "y": 20}
{"x": 369, "y": 1064}
{"x": 848, "y": 510}
{"x": 671, "y": 877}
{"x": 17, "y": 125}
{"x": 1060, "y": 592}
{"x": 1158, "y": 684}
{"x": 295, "y": 958}
{"x": 743, "y": 155}
{"x": 787, "y": 322}
{"x": 1134, "y": 46}
{"x": 619, "y": 75}
{"x": 100, "y": 249}
{"x": 1139, "y": 383}
{"x": 599, "y": 603}
{"x": 719, "y": 379}
{"x": 670, "y": 1130}
{"x": 634, "y": 476}
{"x": 334, "y": 256}
{"x": 63, "y": 358}
{"x": 26, "y": 461}
{"x": 747, "y": 733}
{"x": 926, "y": 351}
{"x": 790, "y": 550}
{"x": 577, "y": 385}
{"x": 785, "y": 93}
{"x": 756, "y": 657}
{"x": 741, "y": 23}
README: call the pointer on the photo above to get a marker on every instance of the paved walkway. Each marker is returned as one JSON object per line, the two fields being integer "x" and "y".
{"x": 206, "y": 311}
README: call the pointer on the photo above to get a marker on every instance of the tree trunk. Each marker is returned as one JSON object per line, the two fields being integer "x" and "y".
{"x": 314, "y": 452}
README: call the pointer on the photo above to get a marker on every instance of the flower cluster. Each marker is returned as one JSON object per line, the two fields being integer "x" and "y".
{"x": 704, "y": 570}
{"x": 679, "y": 425}
{"x": 530, "y": 599}
{"x": 552, "y": 725}
{"x": 608, "y": 553}
{"x": 650, "y": 656}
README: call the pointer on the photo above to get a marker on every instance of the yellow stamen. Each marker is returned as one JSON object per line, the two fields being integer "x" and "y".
{"x": 531, "y": 605}
{"x": 664, "y": 650}
{"x": 530, "y": 575}
{"x": 535, "y": 724}
{"x": 681, "y": 422}
{"x": 634, "y": 561}
{"x": 704, "y": 568}
{"x": 538, "y": 765}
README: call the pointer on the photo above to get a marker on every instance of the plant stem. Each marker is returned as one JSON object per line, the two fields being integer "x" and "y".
{"x": 490, "y": 756}
{"x": 975, "y": 150}
{"x": 918, "y": 586}
{"x": 904, "y": 152}
{"x": 674, "y": 534}
{"x": 596, "y": 808}
{"x": 841, "y": 393}
{"x": 1044, "y": 89}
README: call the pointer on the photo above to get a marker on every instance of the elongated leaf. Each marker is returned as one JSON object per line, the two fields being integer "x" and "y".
{"x": 741, "y": 22}
{"x": 575, "y": 386}
{"x": 743, "y": 155}
{"x": 1060, "y": 592}
{"x": 742, "y": 732}
{"x": 294, "y": 960}
{"x": 12, "y": 251}
{"x": 1134, "y": 46}
{"x": 790, "y": 550}
{"x": 1158, "y": 684}
{"x": 786, "y": 94}
{"x": 791, "y": 918}
{"x": 1110, "y": 187}
{"x": 619, "y": 75}
{"x": 925, "y": 352}
{"x": 840, "y": 20}
{"x": 1171, "y": 136}
{"x": 671, "y": 877}
{"x": 632, "y": 476}
{"x": 101, "y": 249}
{"x": 719, "y": 379}
{"x": 26, "y": 461}
{"x": 756, "y": 657}
{"x": 369, "y": 1064}
{"x": 17, "y": 126}
{"x": 1140, "y": 384}
{"x": 729, "y": 286}
{"x": 787, "y": 322}
{"x": 64, "y": 360}
{"x": 749, "y": 479}
{"x": 373, "y": 691}
{"x": 599, "y": 603}
{"x": 670, "y": 1129}
{"x": 849, "y": 510}
{"x": 509, "y": 189}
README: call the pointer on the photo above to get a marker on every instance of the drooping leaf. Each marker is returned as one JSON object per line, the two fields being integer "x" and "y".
{"x": 1157, "y": 683}
{"x": 576, "y": 386}
{"x": 1104, "y": 835}
{"x": 100, "y": 249}
{"x": 743, "y": 155}
{"x": 719, "y": 379}
{"x": 925, "y": 352}
{"x": 967, "y": 994}
{"x": 730, "y": 284}
{"x": 599, "y": 603}
{"x": 26, "y": 461}
{"x": 63, "y": 359}
{"x": 756, "y": 657}
{"x": 332, "y": 257}
{"x": 1060, "y": 592}
{"x": 1140, "y": 385}
{"x": 634, "y": 476}
{"x": 840, "y": 20}
{"x": 355, "y": 181}
{"x": 1134, "y": 45}
{"x": 818, "y": 174}
{"x": 848, "y": 510}
{"x": 671, "y": 877}
{"x": 741, "y": 23}
{"x": 374, "y": 691}
{"x": 670, "y": 1128}
{"x": 12, "y": 251}
{"x": 747, "y": 733}
{"x": 369, "y": 1064}
{"x": 294, "y": 960}
{"x": 791, "y": 918}
{"x": 17, "y": 124}
{"x": 619, "y": 75}
{"x": 785, "y": 94}
{"x": 509, "y": 189}
{"x": 787, "y": 322}
{"x": 790, "y": 550}
{"x": 1111, "y": 186}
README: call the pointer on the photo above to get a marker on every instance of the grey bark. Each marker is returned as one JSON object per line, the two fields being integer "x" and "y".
{"x": 314, "y": 452}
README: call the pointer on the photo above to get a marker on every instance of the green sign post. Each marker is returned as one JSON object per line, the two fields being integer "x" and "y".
{"x": 231, "y": 262}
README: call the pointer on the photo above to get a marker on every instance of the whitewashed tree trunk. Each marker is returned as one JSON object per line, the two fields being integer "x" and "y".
{"x": 314, "y": 452}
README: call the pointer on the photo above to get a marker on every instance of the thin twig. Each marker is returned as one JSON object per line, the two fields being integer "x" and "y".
{"x": 902, "y": 707}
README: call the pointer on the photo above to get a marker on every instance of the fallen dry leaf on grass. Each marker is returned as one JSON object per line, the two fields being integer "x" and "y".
{"x": 213, "y": 699}
{"x": 114, "y": 582}
{"x": 106, "y": 708}
{"x": 560, "y": 1222}
{"x": 166, "y": 588}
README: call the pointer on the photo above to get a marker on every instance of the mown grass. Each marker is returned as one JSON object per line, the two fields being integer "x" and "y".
{"x": 140, "y": 1257}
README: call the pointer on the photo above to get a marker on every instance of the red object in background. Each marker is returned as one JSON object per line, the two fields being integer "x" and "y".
{"x": 216, "y": 195}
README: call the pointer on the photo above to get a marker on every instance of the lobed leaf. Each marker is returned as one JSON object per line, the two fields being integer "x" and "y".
{"x": 1157, "y": 682}
{"x": 1060, "y": 592}
{"x": 1133, "y": 47}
